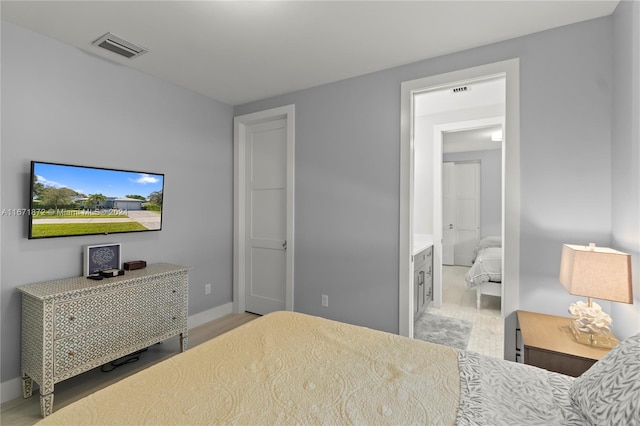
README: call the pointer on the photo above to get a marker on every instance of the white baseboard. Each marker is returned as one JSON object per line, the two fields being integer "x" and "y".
{"x": 12, "y": 389}
{"x": 209, "y": 315}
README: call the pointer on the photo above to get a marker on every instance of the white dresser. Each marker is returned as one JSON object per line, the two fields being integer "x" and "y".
{"x": 72, "y": 325}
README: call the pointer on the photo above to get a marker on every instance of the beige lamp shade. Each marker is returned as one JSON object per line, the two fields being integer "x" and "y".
{"x": 597, "y": 272}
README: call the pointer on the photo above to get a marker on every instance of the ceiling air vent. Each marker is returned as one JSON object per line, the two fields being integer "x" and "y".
{"x": 120, "y": 46}
{"x": 460, "y": 89}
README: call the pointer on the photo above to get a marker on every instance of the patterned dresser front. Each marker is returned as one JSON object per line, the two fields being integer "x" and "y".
{"x": 72, "y": 325}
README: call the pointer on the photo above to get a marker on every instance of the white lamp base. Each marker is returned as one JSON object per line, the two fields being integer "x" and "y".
{"x": 591, "y": 325}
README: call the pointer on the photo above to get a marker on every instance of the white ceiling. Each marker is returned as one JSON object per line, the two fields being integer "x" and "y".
{"x": 241, "y": 51}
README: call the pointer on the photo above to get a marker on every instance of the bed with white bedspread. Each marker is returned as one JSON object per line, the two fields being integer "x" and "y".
{"x": 291, "y": 368}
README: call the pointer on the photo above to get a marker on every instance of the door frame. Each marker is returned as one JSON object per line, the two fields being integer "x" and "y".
{"x": 240, "y": 124}
{"x": 510, "y": 189}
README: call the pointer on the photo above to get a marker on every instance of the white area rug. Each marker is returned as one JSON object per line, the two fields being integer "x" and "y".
{"x": 445, "y": 331}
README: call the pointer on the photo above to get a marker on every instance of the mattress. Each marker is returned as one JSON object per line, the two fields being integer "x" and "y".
{"x": 291, "y": 368}
{"x": 486, "y": 267}
{"x": 487, "y": 242}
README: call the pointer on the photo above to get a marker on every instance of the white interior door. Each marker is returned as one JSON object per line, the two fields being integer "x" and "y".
{"x": 266, "y": 237}
{"x": 263, "y": 258}
{"x": 467, "y": 199}
{"x": 448, "y": 213}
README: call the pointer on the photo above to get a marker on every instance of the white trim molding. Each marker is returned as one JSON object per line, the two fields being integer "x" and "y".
{"x": 240, "y": 124}
{"x": 510, "y": 69}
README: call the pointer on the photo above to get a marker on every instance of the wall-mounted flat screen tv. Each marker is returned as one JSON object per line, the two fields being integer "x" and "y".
{"x": 68, "y": 200}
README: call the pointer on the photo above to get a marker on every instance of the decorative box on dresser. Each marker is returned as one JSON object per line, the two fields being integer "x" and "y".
{"x": 72, "y": 325}
{"x": 549, "y": 343}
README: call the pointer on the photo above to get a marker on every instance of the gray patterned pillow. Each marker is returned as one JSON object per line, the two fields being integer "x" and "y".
{"x": 609, "y": 392}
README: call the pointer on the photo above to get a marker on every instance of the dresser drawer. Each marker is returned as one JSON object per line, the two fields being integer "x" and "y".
{"x": 83, "y": 314}
{"x": 422, "y": 258}
{"x": 87, "y": 350}
{"x": 428, "y": 284}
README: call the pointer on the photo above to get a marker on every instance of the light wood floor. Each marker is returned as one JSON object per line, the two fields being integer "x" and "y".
{"x": 487, "y": 333}
{"x": 21, "y": 411}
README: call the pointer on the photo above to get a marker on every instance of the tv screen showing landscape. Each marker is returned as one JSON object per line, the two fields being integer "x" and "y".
{"x": 68, "y": 200}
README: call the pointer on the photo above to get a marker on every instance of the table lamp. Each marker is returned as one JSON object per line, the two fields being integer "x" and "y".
{"x": 595, "y": 272}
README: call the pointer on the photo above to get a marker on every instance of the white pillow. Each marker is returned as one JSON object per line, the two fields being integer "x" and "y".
{"x": 609, "y": 392}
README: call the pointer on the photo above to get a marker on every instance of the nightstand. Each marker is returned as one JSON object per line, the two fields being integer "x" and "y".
{"x": 549, "y": 344}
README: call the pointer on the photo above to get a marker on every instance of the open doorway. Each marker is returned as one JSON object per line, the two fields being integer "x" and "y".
{"x": 463, "y": 142}
{"x": 458, "y": 171}
{"x": 433, "y": 213}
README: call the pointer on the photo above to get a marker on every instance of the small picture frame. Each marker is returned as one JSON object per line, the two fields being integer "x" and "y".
{"x": 101, "y": 258}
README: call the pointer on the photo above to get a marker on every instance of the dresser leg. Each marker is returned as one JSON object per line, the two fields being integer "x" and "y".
{"x": 184, "y": 341}
{"x": 46, "y": 404}
{"x": 27, "y": 386}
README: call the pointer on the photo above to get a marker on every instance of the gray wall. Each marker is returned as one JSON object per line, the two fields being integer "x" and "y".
{"x": 626, "y": 154}
{"x": 565, "y": 155}
{"x": 347, "y": 198}
{"x": 61, "y": 104}
{"x": 490, "y": 186}
{"x": 347, "y": 171}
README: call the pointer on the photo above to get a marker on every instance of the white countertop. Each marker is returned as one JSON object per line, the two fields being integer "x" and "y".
{"x": 421, "y": 242}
